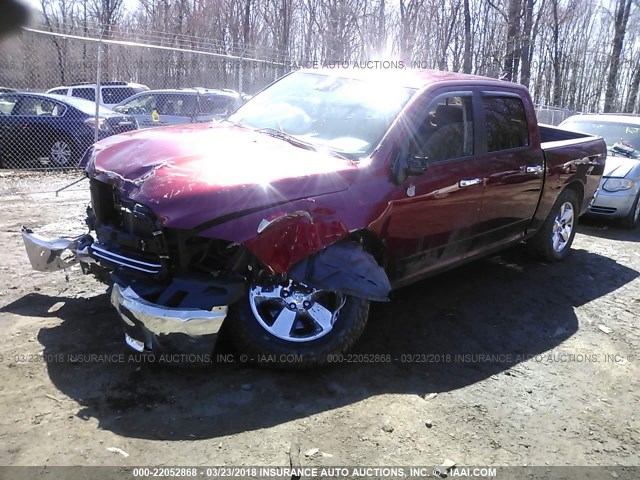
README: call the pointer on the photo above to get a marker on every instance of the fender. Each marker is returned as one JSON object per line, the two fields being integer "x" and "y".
{"x": 344, "y": 267}
{"x": 281, "y": 236}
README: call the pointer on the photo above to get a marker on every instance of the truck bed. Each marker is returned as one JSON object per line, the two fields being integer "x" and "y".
{"x": 565, "y": 150}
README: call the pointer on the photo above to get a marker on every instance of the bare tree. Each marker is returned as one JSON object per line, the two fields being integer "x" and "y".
{"x": 623, "y": 9}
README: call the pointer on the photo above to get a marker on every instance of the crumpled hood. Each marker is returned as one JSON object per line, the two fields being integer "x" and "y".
{"x": 619, "y": 166}
{"x": 189, "y": 175}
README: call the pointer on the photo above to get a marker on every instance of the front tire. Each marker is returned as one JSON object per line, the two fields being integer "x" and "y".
{"x": 294, "y": 326}
{"x": 553, "y": 241}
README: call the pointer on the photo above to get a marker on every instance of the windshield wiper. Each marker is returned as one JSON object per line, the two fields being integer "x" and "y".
{"x": 287, "y": 137}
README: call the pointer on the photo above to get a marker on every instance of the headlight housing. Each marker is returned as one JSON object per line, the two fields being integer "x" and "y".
{"x": 617, "y": 184}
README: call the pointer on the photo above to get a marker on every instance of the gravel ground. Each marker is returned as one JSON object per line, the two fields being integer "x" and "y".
{"x": 505, "y": 361}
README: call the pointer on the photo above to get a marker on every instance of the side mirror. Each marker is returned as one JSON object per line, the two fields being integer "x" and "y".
{"x": 409, "y": 165}
{"x": 122, "y": 109}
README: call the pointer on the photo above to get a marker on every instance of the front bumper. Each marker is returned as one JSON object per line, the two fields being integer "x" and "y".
{"x": 147, "y": 326}
{"x": 49, "y": 255}
{"x": 152, "y": 327}
{"x": 613, "y": 204}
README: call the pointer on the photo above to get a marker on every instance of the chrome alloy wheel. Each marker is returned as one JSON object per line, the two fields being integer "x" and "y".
{"x": 636, "y": 213}
{"x": 295, "y": 313}
{"x": 60, "y": 153}
{"x": 563, "y": 227}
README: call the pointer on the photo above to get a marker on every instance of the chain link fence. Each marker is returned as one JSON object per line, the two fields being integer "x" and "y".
{"x": 553, "y": 115}
{"x": 138, "y": 85}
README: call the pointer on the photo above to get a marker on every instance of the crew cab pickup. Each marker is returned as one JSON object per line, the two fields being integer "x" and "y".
{"x": 322, "y": 193}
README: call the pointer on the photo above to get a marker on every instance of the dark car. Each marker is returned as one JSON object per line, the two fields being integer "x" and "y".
{"x": 53, "y": 129}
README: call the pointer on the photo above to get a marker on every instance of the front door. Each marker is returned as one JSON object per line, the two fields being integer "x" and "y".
{"x": 434, "y": 214}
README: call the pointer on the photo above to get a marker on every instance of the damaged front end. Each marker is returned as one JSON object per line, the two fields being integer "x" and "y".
{"x": 49, "y": 255}
{"x": 173, "y": 316}
{"x": 173, "y": 287}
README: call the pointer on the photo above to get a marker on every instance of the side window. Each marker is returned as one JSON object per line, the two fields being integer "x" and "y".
{"x": 36, "y": 106}
{"x": 7, "y": 102}
{"x": 59, "y": 91}
{"x": 506, "y": 123}
{"x": 86, "y": 93}
{"x": 176, "y": 104}
{"x": 447, "y": 130}
{"x": 142, "y": 105}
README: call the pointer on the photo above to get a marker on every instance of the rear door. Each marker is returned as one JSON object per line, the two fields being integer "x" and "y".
{"x": 10, "y": 144}
{"x": 514, "y": 166}
{"x": 39, "y": 125}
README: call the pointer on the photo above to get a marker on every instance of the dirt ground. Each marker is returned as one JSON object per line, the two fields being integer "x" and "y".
{"x": 505, "y": 361}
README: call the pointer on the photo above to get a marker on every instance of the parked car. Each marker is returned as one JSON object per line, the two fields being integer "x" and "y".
{"x": 53, "y": 128}
{"x": 320, "y": 194}
{"x": 185, "y": 105}
{"x": 111, "y": 93}
{"x": 619, "y": 194}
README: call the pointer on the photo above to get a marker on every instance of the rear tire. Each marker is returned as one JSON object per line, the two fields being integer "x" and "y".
{"x": 252, "y": 326}
{"x": 631, "y": 220}
{"x": 553, "y": 241}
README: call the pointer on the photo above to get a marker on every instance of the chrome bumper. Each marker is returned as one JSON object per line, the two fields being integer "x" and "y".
{"x": 154, "y": 327}
{"x": 49, "y": 255}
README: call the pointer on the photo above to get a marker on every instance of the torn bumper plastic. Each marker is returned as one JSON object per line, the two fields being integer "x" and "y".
{"x": 152, "y": 327}
{"x": 49, "y": 255}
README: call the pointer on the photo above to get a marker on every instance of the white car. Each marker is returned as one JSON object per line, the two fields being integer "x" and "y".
{"x": 619, "y": 193}
{"x": 111, "y": 93}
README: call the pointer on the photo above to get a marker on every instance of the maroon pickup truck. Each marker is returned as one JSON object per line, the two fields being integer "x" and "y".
{"x": 324, "y": 192}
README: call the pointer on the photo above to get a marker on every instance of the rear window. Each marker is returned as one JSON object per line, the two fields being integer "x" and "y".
{"x": 117, "y": 94}
{"x": 85, "y": 106}
{"x": 506, "y": 123}
{"x": 59, "y": 91}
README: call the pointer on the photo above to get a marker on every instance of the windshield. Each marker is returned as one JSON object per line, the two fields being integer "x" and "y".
{"x": 611, "y": 132}
{"x": 345, "y": 115}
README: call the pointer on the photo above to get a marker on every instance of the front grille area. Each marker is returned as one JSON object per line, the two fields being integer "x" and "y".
{"x": 603, "y": 210}
{"x": 119, "y": 260}
{"x": 128, "y": 234}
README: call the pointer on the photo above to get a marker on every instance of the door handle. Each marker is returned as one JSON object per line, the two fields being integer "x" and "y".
{"x": 534, "y": 169}
{"x": 469, "y": 182}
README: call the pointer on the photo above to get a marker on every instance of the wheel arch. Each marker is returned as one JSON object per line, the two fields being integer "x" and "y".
{"x": 578, "y": 187}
